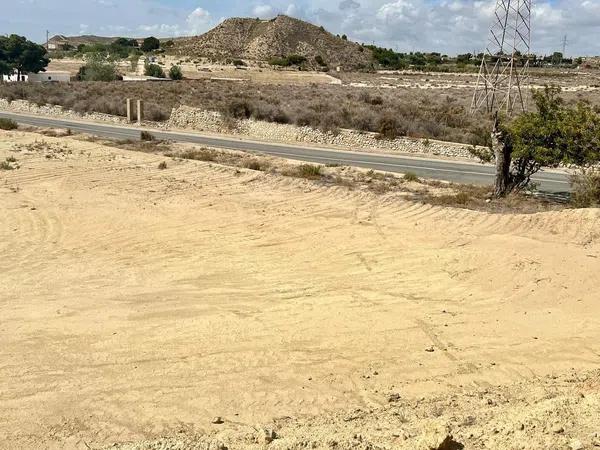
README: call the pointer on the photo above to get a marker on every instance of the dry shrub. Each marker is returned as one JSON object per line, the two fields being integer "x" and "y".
{"x": 255, "y": 164}
{"x": 389, "y": 128}
{"x": 309, "y": 171}
{"x": 147, "y": 136}
{"x": 411, "y": 176}
{"x": 586, "y": 188}
{"x": 8, "y": 124}
{"x": 203, "y": 154}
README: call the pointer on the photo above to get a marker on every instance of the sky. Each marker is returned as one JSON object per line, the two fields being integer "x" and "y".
{"x": 447, "y": 26}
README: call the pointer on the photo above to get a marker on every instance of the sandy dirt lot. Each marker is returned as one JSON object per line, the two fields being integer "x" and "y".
{"x": 138, "y": 303}
{"x": 207, "y": 70}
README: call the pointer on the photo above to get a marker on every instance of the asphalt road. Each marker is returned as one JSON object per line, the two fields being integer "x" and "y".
{"x": 446, "y": 170}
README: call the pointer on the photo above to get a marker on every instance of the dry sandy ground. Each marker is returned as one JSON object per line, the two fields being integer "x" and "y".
{"x": 204, "y": 69}
{"x": 139, "y": 303}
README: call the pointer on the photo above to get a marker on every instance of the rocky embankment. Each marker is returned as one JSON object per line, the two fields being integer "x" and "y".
{"x": 209, "y": 121}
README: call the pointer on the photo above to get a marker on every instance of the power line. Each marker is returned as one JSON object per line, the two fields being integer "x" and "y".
{"x": 504, "y": 70}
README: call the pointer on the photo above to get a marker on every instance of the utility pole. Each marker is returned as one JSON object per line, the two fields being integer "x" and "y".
{"x": 47, "y": 40}
{"x": 504, "y": 70}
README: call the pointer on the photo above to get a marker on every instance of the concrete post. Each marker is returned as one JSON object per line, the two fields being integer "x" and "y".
{"x": 140, "y": 111}
{"x": 129, "y": 111}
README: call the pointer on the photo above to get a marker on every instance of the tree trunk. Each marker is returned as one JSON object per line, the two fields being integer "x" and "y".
{"x": 502, "y": 153}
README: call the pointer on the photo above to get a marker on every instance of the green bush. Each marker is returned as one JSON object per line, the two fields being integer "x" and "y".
{"x": 290, "y": 60}
{"x": 320, "y": 61}
{"x": 296, "y": 60}
{"x": 282, "y": 62}
{"x": 98, "y": 69}
{"x": 149, "y": 44}
{"x": 154, "y": 70}
{"x": 8, "y": 124}
{"x": 175, "y": 73}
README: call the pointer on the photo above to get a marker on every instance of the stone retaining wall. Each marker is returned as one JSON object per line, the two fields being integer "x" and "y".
{"x": 209, "y": 121}
{"x": 23, "y": 106}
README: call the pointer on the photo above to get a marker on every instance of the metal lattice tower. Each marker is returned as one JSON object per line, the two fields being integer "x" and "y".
{"x": 503, "y": 76}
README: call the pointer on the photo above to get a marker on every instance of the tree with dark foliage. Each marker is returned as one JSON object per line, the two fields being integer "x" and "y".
{"x": 17, "y": 54}
{"x": 553, "y": 135}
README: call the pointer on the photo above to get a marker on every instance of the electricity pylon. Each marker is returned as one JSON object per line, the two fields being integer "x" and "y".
{"x": 503, "y": 76}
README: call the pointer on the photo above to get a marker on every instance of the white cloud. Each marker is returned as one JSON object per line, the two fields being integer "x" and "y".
{"x": 292, "y": 10}
{"x": 199, "y": 20}
{"x": 263, "y": 11}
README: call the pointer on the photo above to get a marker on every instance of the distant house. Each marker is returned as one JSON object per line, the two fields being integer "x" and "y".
{"x": 57, "y": 42}
{"x": 14, "y": 77}
{"x": 54, "y": 76}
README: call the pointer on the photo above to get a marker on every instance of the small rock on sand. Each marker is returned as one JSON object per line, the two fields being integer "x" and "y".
{"x": 393, "y": 398}
{"x": 217, "y": 420}
{"x": 266, "y": 436}
{"x": 576, "y": 444}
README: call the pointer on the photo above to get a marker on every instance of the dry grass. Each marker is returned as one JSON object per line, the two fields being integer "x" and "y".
{"x": 390, "y": 112}
{"x": 586, "y": 189}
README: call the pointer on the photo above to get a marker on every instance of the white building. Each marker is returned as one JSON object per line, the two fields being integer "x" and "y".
{"x": 13, "y": 77}
{"x": 42, "y": 77}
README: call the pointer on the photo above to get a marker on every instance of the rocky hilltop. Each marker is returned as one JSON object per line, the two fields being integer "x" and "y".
{"x": 263, "y": 40}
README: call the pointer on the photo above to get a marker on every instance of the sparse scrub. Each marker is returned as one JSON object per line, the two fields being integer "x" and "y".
{"x": 204, "y": 154}
{"x": 411, "y": 176}
{"x": 586, "y": 188}
{"x": 8, "y": 124}
{"x": 147, "y": 136}
{"x": 458, "y": 199}
{"x": 309, "y": 171}
{"x": 9, "y": 163}
{"x": 389, "y": 128}
{"x": 325, "y": 107}
{"x": 254, "y": 164}
{"x": 162, "y": 165}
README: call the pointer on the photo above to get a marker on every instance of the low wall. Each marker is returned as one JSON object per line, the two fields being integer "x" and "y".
{"x": 23, "y": 106}
{"x": 209, "y": 121}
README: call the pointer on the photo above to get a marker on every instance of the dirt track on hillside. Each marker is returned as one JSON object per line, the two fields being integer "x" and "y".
{"x": 139, "y": 303}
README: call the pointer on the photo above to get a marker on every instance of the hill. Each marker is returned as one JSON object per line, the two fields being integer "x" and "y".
{"x": 262, "y": 40}
{"x": 58, "y": 41}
